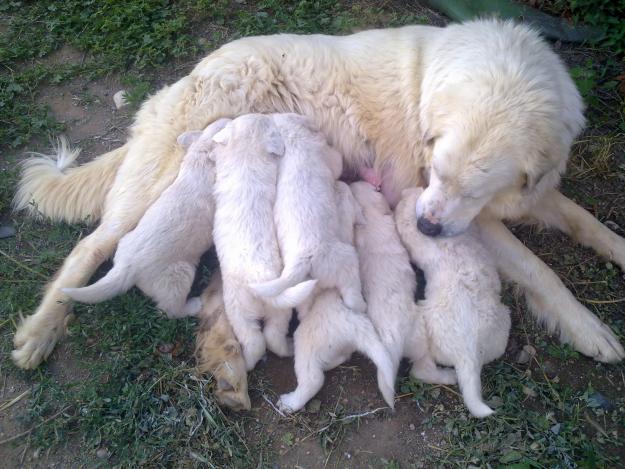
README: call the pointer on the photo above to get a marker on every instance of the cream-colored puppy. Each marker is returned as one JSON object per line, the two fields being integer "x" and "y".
{"x": 218, "y": 351}
{"x": 306, "y": 215}
{"x": 329, "y": 332}
{"x": 247, "y": 156}
{"x": 389, "y": 285}
{"x": 161, "y": 254}
{"x": 466, "y": 322}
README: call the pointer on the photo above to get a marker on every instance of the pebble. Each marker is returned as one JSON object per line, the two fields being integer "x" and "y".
{"x": 102, "y": 453}
{"x": 119, "y": 99}
{"x": 526, "y": 354}
{"x": 529, "y": 392}
{"x": 412, "y": 427}
{"x": 613, "y": 226}
{"x": 313, "y": 406}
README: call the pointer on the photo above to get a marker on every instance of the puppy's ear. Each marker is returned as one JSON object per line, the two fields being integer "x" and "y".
{"x": 223, "y": 136}
{"x": 186, "y": 139}
{"x": 274, "y": 143}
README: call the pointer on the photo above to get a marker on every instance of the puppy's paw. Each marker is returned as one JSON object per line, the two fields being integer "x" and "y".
{"x": 480, "y": 410}
{"x": 288, "y": 403}
{"x": 355, "y": 302}
{"x": 35, "y": 339}
{"x": 192, "y": 307}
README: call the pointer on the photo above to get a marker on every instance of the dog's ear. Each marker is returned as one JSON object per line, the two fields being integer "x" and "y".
{"x": 223, "y": 136}
{"x": 274, "y": 143}
{"x": 186, "y": 139}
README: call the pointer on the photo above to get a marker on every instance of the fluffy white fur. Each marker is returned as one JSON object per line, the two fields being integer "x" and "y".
{"x": 247, "y": 155}
{"x": 306, "y": 216}
{"x": 487, "y": 101}
{"x": 466, "y": 323}
{"x": 389, "y": 286}
{"x": 161, "y": 254}
{"x": 329, "y": 332}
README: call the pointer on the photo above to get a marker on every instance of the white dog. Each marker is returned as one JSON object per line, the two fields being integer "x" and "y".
{"x": 466, "y": 322}
{"x": 389, "y": 285}
{"x": 486, "y": 104}
{"x": 161, "y": 254}
{"x": 247, "y": 157}
{"x": 329, "y": 332}
{"x": 306, "y": 216}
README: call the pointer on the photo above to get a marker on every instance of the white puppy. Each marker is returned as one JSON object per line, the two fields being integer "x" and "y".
{"x": 466, "y": 322}
{"x": 329, "y": 332}
{"x": 306, "y": 215}
{"x": 389, "y": 285}
{"x": 247, "y": 157}
{"x": 161, "y": 254}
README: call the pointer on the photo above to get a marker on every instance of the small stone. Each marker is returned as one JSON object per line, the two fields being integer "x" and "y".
{"x": 314, "y": 406}
{"x": 598, "y": 400}
{"x": 165, "y": 348}
{"x": 529, "y": 392}
{"x": 6, "y": 231}
{"x": 412, "y": 427}
{"x": 526, "y": 354}
{"x": 119, "y": 99}
{"x": 550, "y": 368}
{"x": 103, "y": 453}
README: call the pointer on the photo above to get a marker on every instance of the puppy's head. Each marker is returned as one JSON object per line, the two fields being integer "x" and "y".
{"x": 498, "y": 137}
{"x": 201, "y": 140}
{"x": 369, "y": 198}
{"x": 256, "y": 133}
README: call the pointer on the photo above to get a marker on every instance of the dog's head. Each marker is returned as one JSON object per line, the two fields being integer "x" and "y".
{"x": 499, "y": 136}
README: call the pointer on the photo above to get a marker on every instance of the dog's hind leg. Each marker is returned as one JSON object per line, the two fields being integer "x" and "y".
{"x": 556, "y": 210}
{"x": 425, "y": 369}
{"x": 470, "y": 384}
{"x": 171, "y": 288}
{"x": 310, "y": 377}
{"x": 337, "y": 267}
{"x": 548, "y": 299}
{"x": 276, "y": 330}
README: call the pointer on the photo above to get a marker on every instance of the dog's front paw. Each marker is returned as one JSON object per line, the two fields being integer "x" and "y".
{"x": 288, "y": 403}
{"x": 34, "y": 341}
{"x": 595, "y": 339}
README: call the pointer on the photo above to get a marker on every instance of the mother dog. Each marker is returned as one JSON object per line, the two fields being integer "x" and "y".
{"x": 486, "y": 107}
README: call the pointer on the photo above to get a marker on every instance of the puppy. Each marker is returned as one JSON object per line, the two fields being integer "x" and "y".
{"x": 246, "y": 157}
{"x": 218, "y": 351}
{"x": 466, "y": 322}
{"x": 306, "y": 217}
{"x": 328, "y": 333}
{"x": 389, "y": 285}
{"x": 161, "y": 254}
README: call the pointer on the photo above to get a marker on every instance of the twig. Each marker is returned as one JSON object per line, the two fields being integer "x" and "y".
{"x": 350, "y": 417}
{"x": 268, "y": 401}
{"x": 13, "y": 401}
{"x": 596, "y": 425}
{"x": 22, "y": 265}
{"x": 27, "y": 432}
{"x": 603, "y": 302}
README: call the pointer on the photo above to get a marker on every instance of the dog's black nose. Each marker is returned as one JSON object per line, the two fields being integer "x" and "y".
{"x": 428, "y": 228}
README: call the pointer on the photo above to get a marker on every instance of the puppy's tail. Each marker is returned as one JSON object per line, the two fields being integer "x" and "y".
{"x": 116, "y": 282}
{"x": 291, "y": 275}
{"x": 372, "y": 347}
{"x": 294, "y": 296}
{"x": 51, "y": 187}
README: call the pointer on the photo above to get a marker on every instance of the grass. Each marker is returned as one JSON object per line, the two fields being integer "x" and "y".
{"x": 124, "y": 386}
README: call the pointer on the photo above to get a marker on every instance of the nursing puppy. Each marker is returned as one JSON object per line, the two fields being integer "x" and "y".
{"x": 161, "y": 254}
{"x": 306, "y": 216}
{"x": 389, "y": 285}
{"x": 247, "y": 156}
{"x": 217, "y": 350}
{"x": 329, "y": 332}
{"x": 466, "y": 323}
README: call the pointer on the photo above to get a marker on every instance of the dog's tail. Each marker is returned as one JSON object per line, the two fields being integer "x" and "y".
{"x": 294, "y": 296}
{"x": 291, "y": 275}
{"x": 116, "y": 282}
{"x": 51, "y": 187}
{"x": 372, "y": 347}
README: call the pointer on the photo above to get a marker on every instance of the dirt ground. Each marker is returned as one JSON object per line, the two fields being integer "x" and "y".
{"x": 377, "y": 439}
